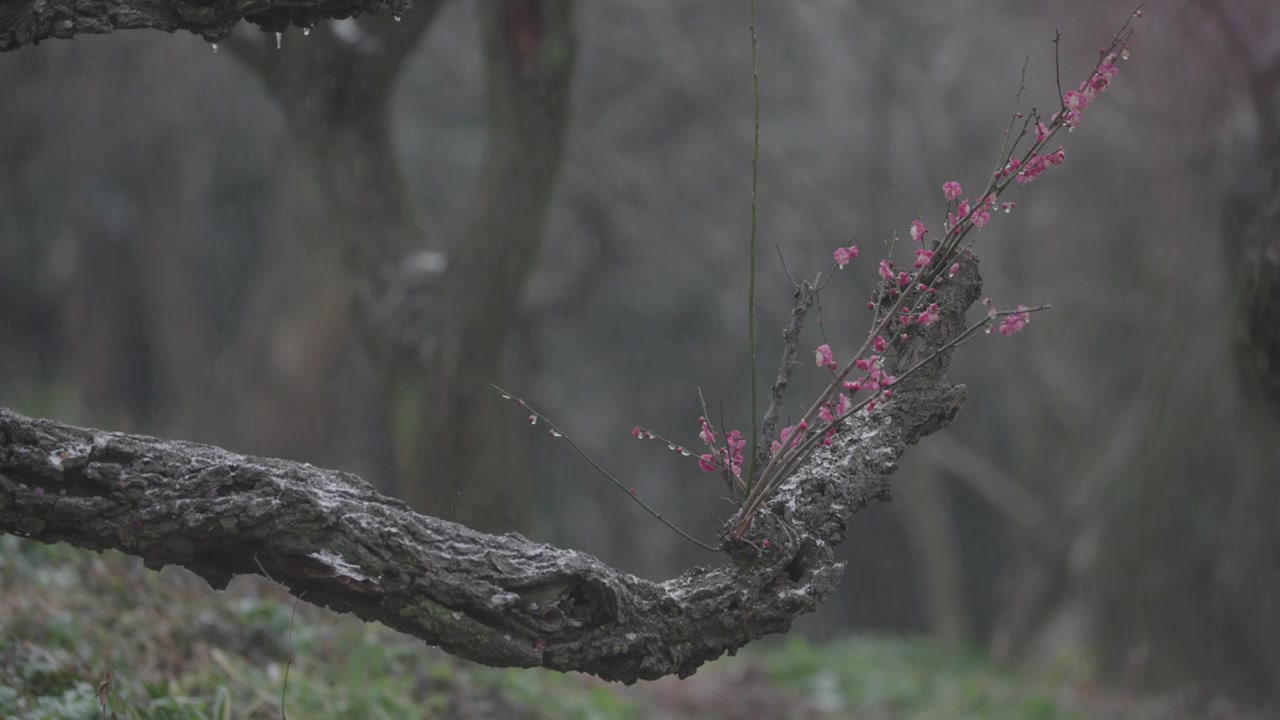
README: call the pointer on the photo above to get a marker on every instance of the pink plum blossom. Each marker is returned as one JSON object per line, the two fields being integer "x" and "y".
{"x": 844, "y": 406}
{"x": 930, "y": 315}
{"x": 1015, "y": 323}
{"x": 824, "y": 357}
{"x": 706, "y": 434}
{"x": 918, "y": 231}
{"x": 843, "y": 255}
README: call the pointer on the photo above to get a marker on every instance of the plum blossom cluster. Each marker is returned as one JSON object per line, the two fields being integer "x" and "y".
{"x": 1035, "y": 165}
{"x": 899, "y": 277}
{"x": 907, "y": 297}
{"x": 875, "y": 381}
{"x": 727, "y": 456}
{"x": 1010, "y": 322}
{"x": 1016, "y": 322}
{"x": 977, "y": 214}
{"x": 1075, "y": 102}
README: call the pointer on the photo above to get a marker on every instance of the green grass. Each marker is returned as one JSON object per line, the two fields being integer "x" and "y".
{"x": 180, "y": 651}
{"x": 910, "y": 678}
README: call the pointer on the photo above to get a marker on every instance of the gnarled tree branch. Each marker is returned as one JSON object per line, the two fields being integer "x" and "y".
{"x": 497, "y": 599}
{"x": 28, "y": 22}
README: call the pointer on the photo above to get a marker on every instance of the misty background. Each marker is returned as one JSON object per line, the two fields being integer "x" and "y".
{"x": 201, "y": 244}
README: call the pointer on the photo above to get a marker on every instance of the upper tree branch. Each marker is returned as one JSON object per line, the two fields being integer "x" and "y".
{"x": 496, "y": 599}
{"x": 27, "y": 22}
{"x": 790, "y": 339}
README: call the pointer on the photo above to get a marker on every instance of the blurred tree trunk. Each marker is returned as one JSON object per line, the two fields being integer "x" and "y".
{"x": 935, "y": 545}
{"x": 1175, "y": 571}
{"x": 1251, "y": 232}
{"x": 1184, "y": 586}
{"x": 464, "y": 461}
{"x": 1207, "y": 616}
{"x": 437, "y": 335}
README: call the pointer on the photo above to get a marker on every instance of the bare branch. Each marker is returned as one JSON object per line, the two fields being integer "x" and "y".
{"x": 790, "y": 339}
{"x": 28, "y": 22}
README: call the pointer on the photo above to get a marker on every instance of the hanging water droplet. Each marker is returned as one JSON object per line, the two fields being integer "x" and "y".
{"x": 533, "y": 419}
{"x": 670, "y": 446}
{"x": 279, "y": 37}
{"x": 306, "y": 31}
{"x": 685, "y": 453}
{"x": 505, "y": 396}
{"x": 215, "y": 47}
{"x": 1124, "y": 53}
{"x": 556, "y": 434}
{"x": 396, "y": 18}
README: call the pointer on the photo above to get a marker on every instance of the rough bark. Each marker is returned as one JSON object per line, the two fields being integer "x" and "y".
{"x": 497, "y": 599}
{"x": 28, "y": 22}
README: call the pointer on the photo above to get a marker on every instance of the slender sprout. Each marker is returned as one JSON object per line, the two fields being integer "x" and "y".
{"x": 1057, "y": 70}
{"x": 751, "y": 284}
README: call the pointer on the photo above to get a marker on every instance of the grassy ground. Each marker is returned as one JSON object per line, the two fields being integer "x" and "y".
{"x": 176, "y": 650}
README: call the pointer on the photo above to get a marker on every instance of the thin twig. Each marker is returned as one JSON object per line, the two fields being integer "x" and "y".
{"x": 265, "y": 574}
{"x": 284, "y": 690}
{"x": 557, "y": 433}
{"x": 671, "y": 445}
{"x": 787, "y": 272}
{"x": 822, "y": 330}
{"x": 1003, "y": 159}
{"x": 1057, "y": 70}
